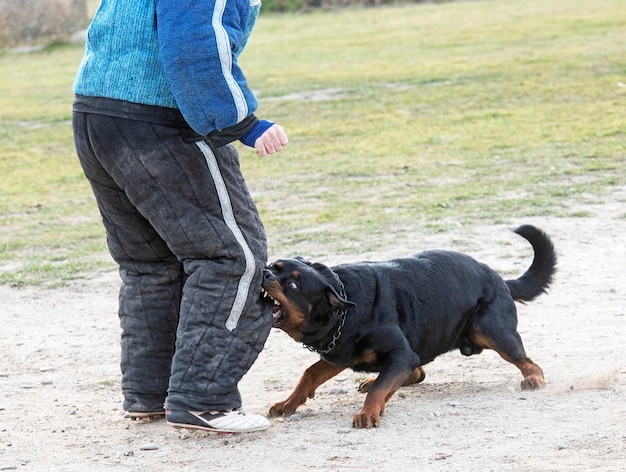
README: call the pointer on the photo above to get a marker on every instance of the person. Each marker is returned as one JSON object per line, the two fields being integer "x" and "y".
{"x": 159, "y": 97}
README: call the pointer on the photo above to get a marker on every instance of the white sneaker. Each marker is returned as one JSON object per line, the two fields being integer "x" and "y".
{"x": 233, "y": 421}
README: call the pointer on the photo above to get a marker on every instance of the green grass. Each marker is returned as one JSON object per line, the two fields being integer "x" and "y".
{"x": 50, "y": 230}
{"x": 431, "y": 116}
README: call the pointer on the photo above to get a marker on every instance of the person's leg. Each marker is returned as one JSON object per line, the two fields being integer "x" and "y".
{"x": 215, "y": 351}
{"x": 149, "y": 299}
{"x": 223, "y": 324}
{"x": 197, "y": 201}
{"x": 149, "y": 304}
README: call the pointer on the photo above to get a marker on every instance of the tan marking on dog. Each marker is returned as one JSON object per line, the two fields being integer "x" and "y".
{"x": 480, "y": 339}
{"x": 375, "y": 401}
{"x": 368, "y": 357}
{"x": 295, "y": 317}
{"x": 418, "y": 375}
{"x": 533, "y": 374}
{"x": 312, "y": 378}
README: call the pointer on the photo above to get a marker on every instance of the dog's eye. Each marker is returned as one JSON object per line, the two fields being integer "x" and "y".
{"x": 293, "y": 285}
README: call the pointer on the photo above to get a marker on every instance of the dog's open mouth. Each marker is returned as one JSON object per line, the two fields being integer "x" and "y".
{"x": 279, "y": 314}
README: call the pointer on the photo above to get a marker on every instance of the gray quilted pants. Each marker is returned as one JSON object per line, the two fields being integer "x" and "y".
{"x": 190, "y": 247}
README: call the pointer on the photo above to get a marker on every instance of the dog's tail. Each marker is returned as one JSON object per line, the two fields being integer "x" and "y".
{"x": 538, "y": 277}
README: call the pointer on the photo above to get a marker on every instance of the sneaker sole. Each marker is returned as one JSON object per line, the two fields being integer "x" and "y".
{"x": 145, "y": 415}
{"x": 214, "y": 430}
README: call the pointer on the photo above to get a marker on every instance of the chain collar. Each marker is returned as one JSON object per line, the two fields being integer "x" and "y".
{"x": 341, "y": 314}
{"x": 342, "y": 319}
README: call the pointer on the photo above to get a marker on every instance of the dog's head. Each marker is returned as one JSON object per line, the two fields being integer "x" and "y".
{"x": 304, "y": 294}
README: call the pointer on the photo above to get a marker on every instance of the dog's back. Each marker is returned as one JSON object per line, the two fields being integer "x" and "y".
{"x": 435, "y": 294}
{"x": 430, "y": 296}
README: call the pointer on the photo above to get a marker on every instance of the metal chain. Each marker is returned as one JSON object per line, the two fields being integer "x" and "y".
{"x": 336, "y": 336}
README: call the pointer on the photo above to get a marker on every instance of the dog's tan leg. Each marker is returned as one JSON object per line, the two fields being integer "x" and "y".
{"x": 373, "y": 408}
{"x": 515, "y": 354}
{"x": 533, "y": 375}
{"x": 312, "y": 378}
{"x": 417, "y": 376}
{"x": 375, "y": 401}
{"x": 366, "y": 385}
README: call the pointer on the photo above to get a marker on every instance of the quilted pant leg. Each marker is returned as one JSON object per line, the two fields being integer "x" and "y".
{"x": 149, "y": 297}
{"x": 196, "y": 200}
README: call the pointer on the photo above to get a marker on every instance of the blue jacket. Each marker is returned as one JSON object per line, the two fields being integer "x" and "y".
{"x": 173, "y": 53}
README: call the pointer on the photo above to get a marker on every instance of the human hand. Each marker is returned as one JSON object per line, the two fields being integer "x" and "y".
{"x": 271, "y": 141}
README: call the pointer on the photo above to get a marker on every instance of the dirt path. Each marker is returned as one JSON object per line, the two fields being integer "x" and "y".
{"x": 60, "y": 399}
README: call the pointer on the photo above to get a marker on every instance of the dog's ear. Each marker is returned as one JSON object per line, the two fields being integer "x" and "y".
{"x": 323, "y": 316}
{"x": 303, "y": 260}
{"x": 337, "y": 300}
{"x": 334, "y": 285}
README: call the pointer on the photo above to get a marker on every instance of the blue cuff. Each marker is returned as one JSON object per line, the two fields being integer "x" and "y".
{"x": 261, "y": 127}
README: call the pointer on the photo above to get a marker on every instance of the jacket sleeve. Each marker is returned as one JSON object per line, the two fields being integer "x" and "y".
{"x": 199, "y": 41}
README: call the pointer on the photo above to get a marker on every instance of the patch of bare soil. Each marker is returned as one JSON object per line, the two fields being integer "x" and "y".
{"x": 60, "y": 404}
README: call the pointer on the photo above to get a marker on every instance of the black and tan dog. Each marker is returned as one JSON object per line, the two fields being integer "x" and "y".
{"x": 394, "y": 317}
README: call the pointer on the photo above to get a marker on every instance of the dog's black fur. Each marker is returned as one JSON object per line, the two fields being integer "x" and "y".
{"x": 394, "y": 317}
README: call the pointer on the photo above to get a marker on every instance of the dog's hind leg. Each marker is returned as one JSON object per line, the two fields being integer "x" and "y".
{"x": 510, "y": 347}
{"x": 533, "y": 375}
{"x": 498, "y": 331}
{"x": 417, "y": 376}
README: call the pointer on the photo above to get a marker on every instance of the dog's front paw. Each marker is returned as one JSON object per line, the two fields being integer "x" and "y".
{"x": 280, "y": 409}
{"x": 286, "y": 407}
{"x": 366, "y": 419}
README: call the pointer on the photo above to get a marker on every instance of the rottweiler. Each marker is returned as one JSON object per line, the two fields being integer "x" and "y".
{"x": 393, "y": 317}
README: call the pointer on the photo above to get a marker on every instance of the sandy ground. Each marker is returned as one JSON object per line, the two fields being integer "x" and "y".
{"x": 60, "y": 400}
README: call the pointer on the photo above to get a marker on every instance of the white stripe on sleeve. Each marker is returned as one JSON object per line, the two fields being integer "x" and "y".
{"x": 226, "y": 59}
